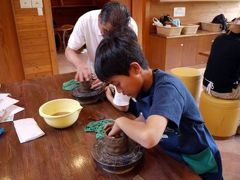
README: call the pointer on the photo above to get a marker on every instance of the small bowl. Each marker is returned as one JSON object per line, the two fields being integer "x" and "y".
{"x": 60, "y": 113}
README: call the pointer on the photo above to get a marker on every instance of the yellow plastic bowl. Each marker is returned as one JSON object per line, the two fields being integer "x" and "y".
{"x": 60, "y": 113}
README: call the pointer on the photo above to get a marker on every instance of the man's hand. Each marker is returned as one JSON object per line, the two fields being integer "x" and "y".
{"x": 83, "y": 74}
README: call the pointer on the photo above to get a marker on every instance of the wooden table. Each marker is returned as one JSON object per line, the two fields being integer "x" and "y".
{"x": 66, "y": 153}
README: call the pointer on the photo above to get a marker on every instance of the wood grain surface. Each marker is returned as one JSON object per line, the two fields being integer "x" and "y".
{"x": 66, "y": 153}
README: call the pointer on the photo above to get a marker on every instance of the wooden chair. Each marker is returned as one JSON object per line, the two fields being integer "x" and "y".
{"x": 191, "y": 78}
{"x": 63, "y": 33}
{"x": 220, "y": 116}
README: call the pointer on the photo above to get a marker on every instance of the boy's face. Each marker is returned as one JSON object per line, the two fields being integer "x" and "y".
{"x": 128, "y": 85}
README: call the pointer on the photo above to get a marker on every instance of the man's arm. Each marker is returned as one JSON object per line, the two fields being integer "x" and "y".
{"x": 83, "y": 69}
{"x": 147, "y": 134}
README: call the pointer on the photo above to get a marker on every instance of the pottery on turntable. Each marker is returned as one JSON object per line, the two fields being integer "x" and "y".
{"x": 85, "y": 95}
{"x": 117, "y": 155}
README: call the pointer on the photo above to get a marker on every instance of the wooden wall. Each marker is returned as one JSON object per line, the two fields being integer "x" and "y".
{"x": 36, "y": 40}
{"x": 10, "y": 58}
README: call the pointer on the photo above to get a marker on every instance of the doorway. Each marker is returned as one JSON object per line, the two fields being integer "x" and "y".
{"x": 65, "y": 13}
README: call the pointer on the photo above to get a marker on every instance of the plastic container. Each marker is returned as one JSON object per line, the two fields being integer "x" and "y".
{"x": 169, "y": 31}
{"x": 212, "y": 27}
{"x": 60, "y": 113}
{"x": 191, "y": 78}
{"x": 190, "y": 29}
{"x": 221, "y": 116}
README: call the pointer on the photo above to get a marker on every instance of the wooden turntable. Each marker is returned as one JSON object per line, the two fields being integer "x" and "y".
{"x": 117, "y": 157}
{"x": 85, "y": 95}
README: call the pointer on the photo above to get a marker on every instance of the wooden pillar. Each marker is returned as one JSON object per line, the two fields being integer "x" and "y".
{"x": 140, "y": 12}
{"x": 10, "y": 59}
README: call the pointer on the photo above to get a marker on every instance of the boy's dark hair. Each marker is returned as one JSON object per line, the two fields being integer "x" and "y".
{"x": 116, "y": 52}
{"x": 116, "y": 14}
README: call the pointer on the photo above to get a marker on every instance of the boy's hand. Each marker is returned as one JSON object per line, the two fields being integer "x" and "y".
{"x": 96, "y": 83}
{"x": 109, "y": 91}
{"x": 115, "y": 130}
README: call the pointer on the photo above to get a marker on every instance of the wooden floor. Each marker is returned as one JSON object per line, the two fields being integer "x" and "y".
{"x": 230, "y": 148}
{"x": 230, "y": 152}
{"x": 64, "y": 66}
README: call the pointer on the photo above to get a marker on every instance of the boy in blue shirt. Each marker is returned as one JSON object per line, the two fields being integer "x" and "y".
{"x": 162, "y": 102}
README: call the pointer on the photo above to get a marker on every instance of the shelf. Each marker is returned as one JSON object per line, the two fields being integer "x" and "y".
{"x": 199, "y": 33}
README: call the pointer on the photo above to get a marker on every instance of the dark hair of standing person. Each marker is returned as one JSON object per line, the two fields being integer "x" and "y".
{"x": 116, "y": 14}
{"x": 116, "y": 52}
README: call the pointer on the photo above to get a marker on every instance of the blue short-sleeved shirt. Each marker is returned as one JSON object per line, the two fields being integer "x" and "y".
{"x": 186, "y": 137}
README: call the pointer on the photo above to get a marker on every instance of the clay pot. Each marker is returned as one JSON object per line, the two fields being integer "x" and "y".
{"x": 115, "y": 145}
{"x": 85, "y": 86}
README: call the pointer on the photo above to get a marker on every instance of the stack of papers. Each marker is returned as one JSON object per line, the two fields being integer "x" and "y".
{"x": 27, "y": 129}
{"x": 7, "y": 108}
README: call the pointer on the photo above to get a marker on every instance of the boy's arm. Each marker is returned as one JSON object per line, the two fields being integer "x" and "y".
{"x": 140, "y": 118}
{"x": 147, "y": 134}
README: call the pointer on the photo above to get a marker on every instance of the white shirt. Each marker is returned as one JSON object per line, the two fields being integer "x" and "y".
{"x": 86, "y": 31}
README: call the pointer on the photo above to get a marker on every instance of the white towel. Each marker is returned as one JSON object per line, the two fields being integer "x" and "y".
{"x": 27, "y": 129}
{"x": 120, "y": 99}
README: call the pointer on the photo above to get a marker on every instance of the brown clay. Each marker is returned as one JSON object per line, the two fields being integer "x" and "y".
{"x": 116, "y": 145}
{"x": 85, "y": 86}
{"x": 85, "y": 95}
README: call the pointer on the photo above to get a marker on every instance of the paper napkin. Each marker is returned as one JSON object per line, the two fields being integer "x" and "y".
{"x": 27, "y": 129}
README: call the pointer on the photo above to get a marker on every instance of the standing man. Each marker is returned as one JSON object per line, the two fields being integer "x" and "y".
{"x": 89, "y": 30}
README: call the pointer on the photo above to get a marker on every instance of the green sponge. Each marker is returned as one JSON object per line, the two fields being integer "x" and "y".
{"x": 98, "y": 127}
{"x": 70, "y": 85}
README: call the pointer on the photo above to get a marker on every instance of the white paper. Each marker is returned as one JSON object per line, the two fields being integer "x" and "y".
{"x": 179, "y": 11}
{"x": 2, "y": 95}
{"x": 7, "y": 119}
{"x": 6, "y": 102}
{"x": 13, "y": 109}
{"x": 37, "y": 4}
{"x": 40, "y": 11}
{"x": 27, "y": 129}
{"x": 9, "y": 113}
{"x": 25, "y": 3}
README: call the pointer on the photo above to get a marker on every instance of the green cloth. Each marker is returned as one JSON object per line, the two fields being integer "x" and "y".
{"x": 98, "y": 127}
{"x": 202, "y": 162}
{"x": 70, "y": 85}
